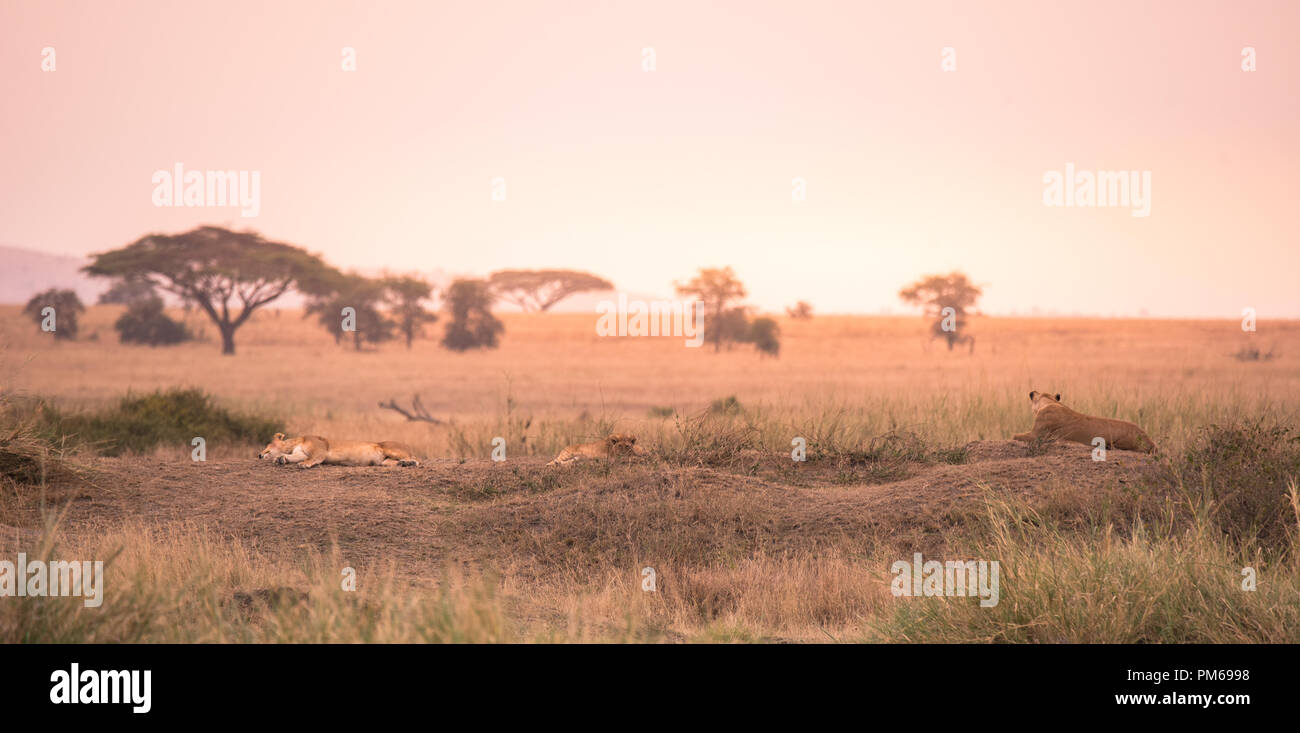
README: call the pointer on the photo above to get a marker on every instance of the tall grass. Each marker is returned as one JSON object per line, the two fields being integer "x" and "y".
{"x": 187, "y": 584}
{"x": 1152, "y": 585}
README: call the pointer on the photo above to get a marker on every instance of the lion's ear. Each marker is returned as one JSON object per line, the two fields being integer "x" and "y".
{"x": 1032, "y": 392}
{"x": 1058, "y": 396}
{"x": 279, "y": 436}
{"x": 632, "y": 439}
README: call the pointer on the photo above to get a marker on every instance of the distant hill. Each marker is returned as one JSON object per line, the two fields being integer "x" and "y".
{"x": 24, "y": 273}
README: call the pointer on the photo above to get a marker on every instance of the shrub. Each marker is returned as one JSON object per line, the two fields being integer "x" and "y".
{"x": 26, "y": 455}
{"x": 139, "y": 423}
{"x": 145, "y": 323}
{"x": 801, "y": 311}
{"x": 709, "y": 439}
{"x": 66, "y": 306}
{"x": 765, "y": 335}
{"x": 1243, "y": 469}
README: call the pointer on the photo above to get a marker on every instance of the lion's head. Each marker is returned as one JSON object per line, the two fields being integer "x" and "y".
{"x": 276, "y": 448}
{"x": 619, "y": 443}
{"x": 1037, "y": 398}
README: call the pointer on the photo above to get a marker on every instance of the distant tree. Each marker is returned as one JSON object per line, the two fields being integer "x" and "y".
{"x": 765, "y": 334}
{"x": 215, "y": 269}
{"x": 538, "y": 290}
{"x": 716, "y": 289}
{"x": 800, "y": 311}
{"x": 405, "y": 295}
{"x": 145, "y": 323}
{"x": 934, "y": 293}
{"x": 66, "y": 306}
{"x": 472, "y": 325}
{"x": 732, "y": 325}
{"x": 337, "y": 291}
{"x": 126, "y": 291}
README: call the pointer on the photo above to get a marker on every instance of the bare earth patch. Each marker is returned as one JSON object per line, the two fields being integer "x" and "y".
{"x": 528, "y": 520}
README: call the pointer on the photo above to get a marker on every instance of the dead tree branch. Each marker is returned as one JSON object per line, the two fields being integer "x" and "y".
{"x": 417, "y": 413}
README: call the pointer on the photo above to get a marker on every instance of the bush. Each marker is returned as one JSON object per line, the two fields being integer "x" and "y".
{"x": 1244, "y": 469}
{"x": 145, "y": 323}
{"x": 801, "y": 311}
{"x": 765, "y": 335}
{"x": 174, "y": 417}
{"x": 27, "y": 456}
{"x": 710, "y": 439}
{"x": 66, "y": 306}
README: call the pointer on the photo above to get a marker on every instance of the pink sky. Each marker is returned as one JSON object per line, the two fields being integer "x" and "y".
{"x": 643, "y": 177}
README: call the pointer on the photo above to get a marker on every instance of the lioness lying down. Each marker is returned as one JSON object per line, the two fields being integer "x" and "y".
{"x": 1054, "y": 421}
{"x": 313, "y": 450}
{"x": 614, "y": 445}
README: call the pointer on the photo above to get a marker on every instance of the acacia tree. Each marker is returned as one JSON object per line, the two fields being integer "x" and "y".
{"x": 227, "y": 274}
{"x": 716, "y": 289}
{"x": 472, "y": 325}
{"x": 66, "y": 306}
{"x": 538, "y": 290}
{"x": 801, "y": 311}
{"x": 335, "y": 291}
{"x": 406, "y": 295}
{"x": 934, "y": 293}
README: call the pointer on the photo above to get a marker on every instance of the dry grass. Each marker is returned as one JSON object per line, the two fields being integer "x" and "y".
{"x": 745, "y": 546}
{"x": 856, "y": 377}
{"x": 1164, "y": 582}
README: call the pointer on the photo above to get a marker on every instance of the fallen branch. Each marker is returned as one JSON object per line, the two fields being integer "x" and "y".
{"x": 417, "y": 412}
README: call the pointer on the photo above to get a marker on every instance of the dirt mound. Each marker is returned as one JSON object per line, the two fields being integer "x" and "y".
{"x": 534, "y": 519}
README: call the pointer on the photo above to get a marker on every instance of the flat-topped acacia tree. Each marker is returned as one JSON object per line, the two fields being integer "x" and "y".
{"x": 538, "y": 290}
{"x": 226, "y": 274}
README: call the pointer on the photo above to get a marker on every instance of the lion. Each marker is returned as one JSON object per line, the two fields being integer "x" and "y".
{"x": 312, "y": 450}
{"x": 617, "y": 444}
{"x": 1054, "y": 421}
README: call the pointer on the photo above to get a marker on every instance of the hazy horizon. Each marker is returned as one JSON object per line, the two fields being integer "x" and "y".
{"x": 644, "y": 176}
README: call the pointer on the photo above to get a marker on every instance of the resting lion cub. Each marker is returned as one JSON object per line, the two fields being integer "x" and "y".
{"x": 615, "y": 445}
{"x": 1054, "y": 421}
{"x": 313, "y": 450}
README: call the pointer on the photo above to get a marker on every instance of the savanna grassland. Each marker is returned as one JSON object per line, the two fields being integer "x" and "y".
{"x": 908, "y": 448}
